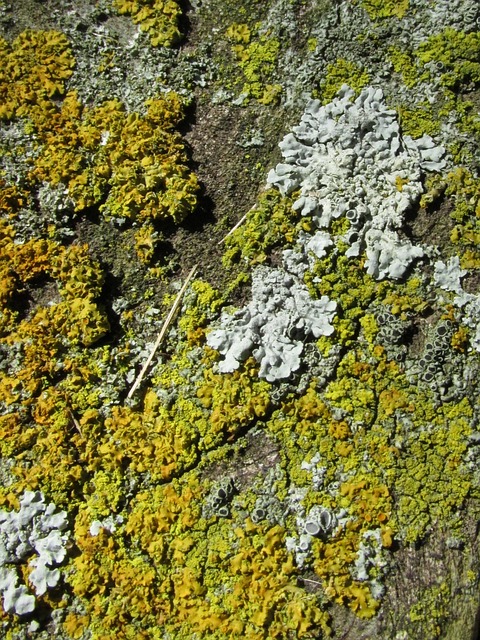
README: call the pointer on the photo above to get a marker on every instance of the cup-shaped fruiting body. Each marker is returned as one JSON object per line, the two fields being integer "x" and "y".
{"x": 257, "y": 515}
{"x": 304, "y": 543}
{"x": 221, "y": 497}
{"x": 312, "y": 527}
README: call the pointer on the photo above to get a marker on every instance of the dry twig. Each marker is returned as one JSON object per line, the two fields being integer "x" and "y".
{"x": 311, "y": 581}
{"x": 240, "y": 222}
{"x": 163, "y": 331}
{"x": 75, "y": 422}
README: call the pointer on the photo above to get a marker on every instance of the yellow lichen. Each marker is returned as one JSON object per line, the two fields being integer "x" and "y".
{"x": 257, "y": 59}
{"x": 343, "y": 72}
{"x": 378, "y": 9}
{"x": 33, "y": 69}
{"x": 158, "y": 18}
{"x": 136, "y": 163}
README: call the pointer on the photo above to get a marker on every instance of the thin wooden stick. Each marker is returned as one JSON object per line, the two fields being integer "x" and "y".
{"x": 163, "y": 331}
{"x": 240, "y": 222}
{"x": 311, "y": 581}
{"x": 76, "y": 424}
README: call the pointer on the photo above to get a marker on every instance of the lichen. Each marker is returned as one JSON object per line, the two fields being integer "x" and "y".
{"x": 158, "y": 18}
{"x": 431, "y": 611}
{"x": 236, "y": 505}
{"x": 139, "y": 169}
{"x": 455, "y": 55}
{"x": 35, "y": 67}
{"x": 343, "y": 72}
{"x": 463, "y": 187}
{"x": 270, "y": 223}
{"x": 257, "y": 58}
{"x": 378, "y": 9}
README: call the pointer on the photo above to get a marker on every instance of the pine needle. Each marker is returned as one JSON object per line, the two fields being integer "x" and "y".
{"x": 310, "y": 581}
{"x": 75, "y": 422}
{"x": 240, "y": 222}
{"x": 163, "y": 332}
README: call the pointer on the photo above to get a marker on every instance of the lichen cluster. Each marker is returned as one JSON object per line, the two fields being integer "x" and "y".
{"x": 257, "y": 58}
{"x": 35, "y": 67}
{"x": 132, "y": 166}
{"x": 158, "y": 18}
{"x": 224, "y": 501}
{"x": 378, "y": 10}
